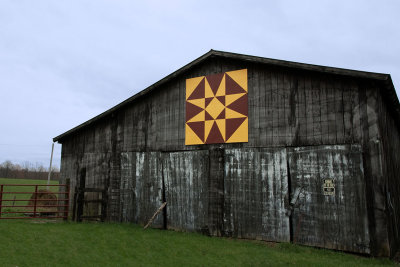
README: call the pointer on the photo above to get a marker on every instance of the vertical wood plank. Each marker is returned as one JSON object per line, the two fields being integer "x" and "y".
{"x": 255, "y": 191}
{"x": 186, "y": 179}
{"x": 323, "y": 220}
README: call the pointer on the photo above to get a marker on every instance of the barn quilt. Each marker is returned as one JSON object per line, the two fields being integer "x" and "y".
{"x": 217, "y": 108}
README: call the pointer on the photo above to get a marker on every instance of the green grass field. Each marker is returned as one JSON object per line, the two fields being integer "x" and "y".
{"x": 26, "y": 243}
{"x": 42, "y": 243}
{"x": 12, "y": 199}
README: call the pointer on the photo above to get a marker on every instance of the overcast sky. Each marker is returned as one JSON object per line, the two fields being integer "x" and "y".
{"x": 63, "y": 62}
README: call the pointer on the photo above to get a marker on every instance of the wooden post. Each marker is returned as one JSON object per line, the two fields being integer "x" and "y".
{"x": 74, "y": 203}
{"x": 1, "y": 197}
{"x": 81, "y": 195}
{"x": 155, "y": 214}
{"x": 103, "y": 204}
{"x": 34, "y": 205}
{"x": 66, "y": 202}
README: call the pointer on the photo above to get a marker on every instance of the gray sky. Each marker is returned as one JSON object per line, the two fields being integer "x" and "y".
{"x": 63, "y": 62}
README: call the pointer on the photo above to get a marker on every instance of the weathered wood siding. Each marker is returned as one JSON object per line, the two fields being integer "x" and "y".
{"x": 256, "y": 190}
{"x": 338, "y": 221}
{"x": 141, "y": 187}
{"x": 287, "y": 108}
{"x": 186, "y": 190}
{"x": 389, "y": 145}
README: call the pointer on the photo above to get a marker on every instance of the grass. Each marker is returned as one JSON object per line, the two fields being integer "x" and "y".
{"x": 104, "y": 244}
{"x": 9, "y": 199}
{"x": 41, "y": 243}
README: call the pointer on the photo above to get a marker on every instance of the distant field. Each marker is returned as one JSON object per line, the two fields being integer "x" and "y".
{"x": 25, "y": 243}
{"x": 9, "y": 199}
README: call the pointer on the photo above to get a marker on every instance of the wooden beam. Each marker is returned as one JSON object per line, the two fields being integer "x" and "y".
{"x": 155, "y": 214}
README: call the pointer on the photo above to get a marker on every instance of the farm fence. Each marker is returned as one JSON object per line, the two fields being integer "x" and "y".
{"x": 34, "y": 201}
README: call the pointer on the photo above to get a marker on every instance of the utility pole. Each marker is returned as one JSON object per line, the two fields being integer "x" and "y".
{"x": 51, "y": 161}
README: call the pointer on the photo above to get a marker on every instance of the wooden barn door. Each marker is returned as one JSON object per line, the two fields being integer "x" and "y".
{"x": 328, "y": 192}
{"x": 141, "y": 188}
{"x": 185, "y": 177}
{"x": 256, "y": 189}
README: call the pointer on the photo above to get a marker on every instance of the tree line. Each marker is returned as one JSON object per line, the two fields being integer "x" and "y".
{"x": 27, "y": 170}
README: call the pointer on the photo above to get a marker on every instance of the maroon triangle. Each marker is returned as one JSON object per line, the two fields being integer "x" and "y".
{"x": 208, "y": 100}
{"x": 231, "y": 125}
{"x": 208, "y": 117}
{"x": 221, "y": 115}
{"x": 198, "y": 128}
{"x": 192, "y": 110}
{"x": 240, "y": 105}
{"x": 215, "y": 135}
{"x": 221, "y": 99}
{"x": 214, "y": 81}
{"x": 232, "y": 87}
{"x": 199, "y": 92}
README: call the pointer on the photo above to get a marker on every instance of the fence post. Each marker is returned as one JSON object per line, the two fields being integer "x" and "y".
{"x": 1, "y": 198}
{"x": 34, "y": 205}
{"x": 66, "y": 209}
{"x": 81, "y": 195}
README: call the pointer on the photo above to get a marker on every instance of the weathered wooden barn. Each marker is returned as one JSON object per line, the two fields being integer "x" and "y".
{"x": 316, "y": 161}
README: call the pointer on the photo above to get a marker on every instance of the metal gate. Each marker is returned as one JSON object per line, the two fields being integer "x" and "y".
{"x": 32, "y": 201}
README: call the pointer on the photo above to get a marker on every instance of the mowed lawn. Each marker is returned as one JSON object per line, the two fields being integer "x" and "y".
{"x": 103, "y": 244}
{"x": 49, "y": 243}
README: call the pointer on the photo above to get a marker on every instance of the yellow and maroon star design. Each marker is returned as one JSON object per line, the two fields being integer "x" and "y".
{"x": 217, "y": 109}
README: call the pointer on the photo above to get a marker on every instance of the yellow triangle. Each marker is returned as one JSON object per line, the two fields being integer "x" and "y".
{"x": 231, "y": 114}
{"x": 191, "y": 84}
{"x": 229, "y": 99}
{"x": 221, "y": 126}
{"x": 240, "y": 77}
{"x": 241, "y": 135}
{"x": 208, "y": 92}
{"x": 207, "y": 129}
{"x": 198, "y": 102}
{"x": 191, "y": 138}
{"x": 199, "y": 117}
{"x": 221, "y": 88}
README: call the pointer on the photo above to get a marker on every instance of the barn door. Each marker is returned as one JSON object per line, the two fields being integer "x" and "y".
{"x": 89, "y": 202}
{"x": 141, "y": 187}
{"x": 186, "y": 184}
{"x": 256, "y": 189}
{"x": 328, "y": 185}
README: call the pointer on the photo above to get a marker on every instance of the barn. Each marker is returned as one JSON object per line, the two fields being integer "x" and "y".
{"x": 248, "y": 147}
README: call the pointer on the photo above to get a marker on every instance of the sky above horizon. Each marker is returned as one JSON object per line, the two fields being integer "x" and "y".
{"x": 64, "y": 62}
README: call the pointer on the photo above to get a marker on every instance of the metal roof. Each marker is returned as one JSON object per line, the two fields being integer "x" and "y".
{"x": 385, "y": 78}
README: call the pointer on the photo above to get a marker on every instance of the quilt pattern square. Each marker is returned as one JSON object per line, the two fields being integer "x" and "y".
{"x": 217, "y": 108}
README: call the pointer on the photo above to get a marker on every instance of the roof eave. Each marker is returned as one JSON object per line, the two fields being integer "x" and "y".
{"x": 132, "y": 98}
